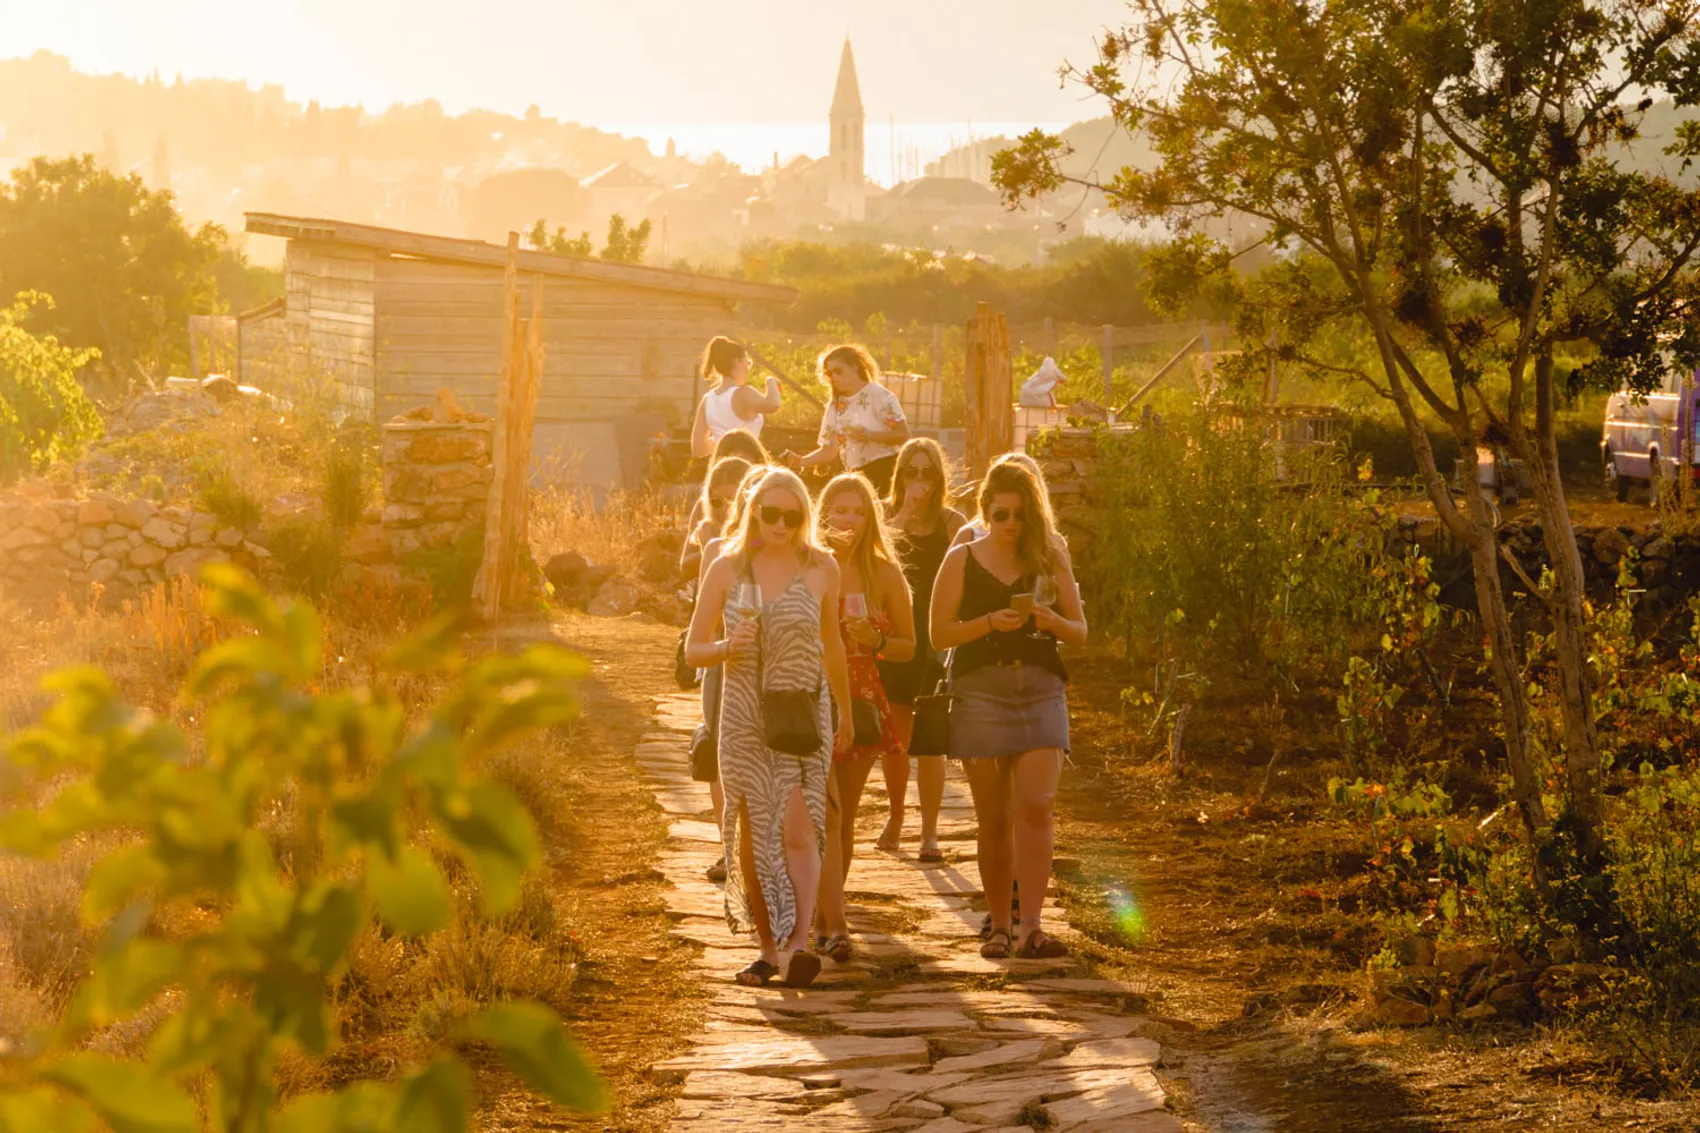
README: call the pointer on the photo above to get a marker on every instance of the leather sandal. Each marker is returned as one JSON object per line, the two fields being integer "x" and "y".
{"x": 997, "y": 945}
{"x": 758, "y": 974}
{"x": 838, "y": 947}
{"x": 802, "y": 970}
{"x": 1041, "y": 945}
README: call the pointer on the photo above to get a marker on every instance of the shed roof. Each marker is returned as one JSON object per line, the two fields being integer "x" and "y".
{"x": 455, "y": 250}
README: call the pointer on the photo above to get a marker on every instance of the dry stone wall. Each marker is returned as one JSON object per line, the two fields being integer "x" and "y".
{"x": 436, "y": 481}
{"x": 59, "y": 543}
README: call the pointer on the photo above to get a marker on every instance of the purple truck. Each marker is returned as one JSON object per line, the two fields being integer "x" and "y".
{"x": 1648, "y": 439}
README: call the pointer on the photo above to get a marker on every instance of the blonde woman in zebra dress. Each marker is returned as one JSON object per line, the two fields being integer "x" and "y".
{"x": 776, "y": 593}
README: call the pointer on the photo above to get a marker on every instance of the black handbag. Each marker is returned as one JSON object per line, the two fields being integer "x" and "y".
{"x": 931, "y": 732}
{"x": 790, "y": 720}
{"x": 685, "y": 674}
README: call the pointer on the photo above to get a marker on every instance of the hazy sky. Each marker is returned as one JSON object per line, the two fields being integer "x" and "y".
{"x": 611, "y": 61}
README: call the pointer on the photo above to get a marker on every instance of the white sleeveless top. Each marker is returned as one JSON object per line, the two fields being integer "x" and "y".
{"x": 722, "y": 418}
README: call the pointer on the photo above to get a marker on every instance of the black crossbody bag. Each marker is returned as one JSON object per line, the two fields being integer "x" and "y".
{"x": 931, "y": 733}
{"x": 790, "y": 722}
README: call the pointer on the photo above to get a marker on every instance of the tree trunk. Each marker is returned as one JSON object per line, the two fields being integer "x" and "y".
{"x": 1570, "y": 642}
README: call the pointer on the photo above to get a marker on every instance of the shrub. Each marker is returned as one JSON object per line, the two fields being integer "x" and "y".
{"x": 450, "y": 570}
{"x": 345, "y": 488}
{"x": 272, "y": 849}
{"x": 44, "y": 414}
{"x": 222, "y": 494}
{"x": 308, "y": 553}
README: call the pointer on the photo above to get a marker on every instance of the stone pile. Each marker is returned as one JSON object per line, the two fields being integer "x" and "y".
{"x": 1069, "y": 459}
{"x": 53, "y": 543}
{"x": 917, "y": 1033}
{"x": 437, "y": 476}
{"x": 1477, "y": 983}
{"x": 1667, "y": 566}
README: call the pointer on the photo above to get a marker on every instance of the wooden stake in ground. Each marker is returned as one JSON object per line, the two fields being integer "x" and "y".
{"x": 990, "y": 388}
{"x": 501, "y": 574}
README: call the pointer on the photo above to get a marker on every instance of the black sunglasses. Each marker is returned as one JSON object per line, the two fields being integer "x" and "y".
{"x": 1004, "y": 515}
{"x": 922, "y": 472}
{"x": 775, "y": 516}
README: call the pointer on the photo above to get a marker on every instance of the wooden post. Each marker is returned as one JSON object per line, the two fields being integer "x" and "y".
{"x": 1109, "y": 351}
{"x": 506, "y": 521}
{"x": 990, "y": 388}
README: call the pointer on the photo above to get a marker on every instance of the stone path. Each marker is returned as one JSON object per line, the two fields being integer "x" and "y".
{"x": 917, "y": 1033}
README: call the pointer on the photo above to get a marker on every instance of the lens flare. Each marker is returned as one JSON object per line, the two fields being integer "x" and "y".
{"x": 1126, "y": 914}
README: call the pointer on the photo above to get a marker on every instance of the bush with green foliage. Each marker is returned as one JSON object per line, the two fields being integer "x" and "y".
{"x": 282, "y": 829}
{"x": 44, "y": 414}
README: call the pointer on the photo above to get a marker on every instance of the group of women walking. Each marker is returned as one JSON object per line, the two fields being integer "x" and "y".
{"x": 819, "y": 623}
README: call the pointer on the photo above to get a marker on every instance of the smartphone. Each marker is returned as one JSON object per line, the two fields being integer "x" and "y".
{"x": 1021, "y": 604}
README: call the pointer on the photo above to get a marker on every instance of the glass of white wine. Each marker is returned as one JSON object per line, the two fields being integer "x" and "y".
{"x": 1044, "y": 594}
{"x": 746, "y": 600}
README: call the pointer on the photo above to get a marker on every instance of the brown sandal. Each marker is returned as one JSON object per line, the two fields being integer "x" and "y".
{"x": 1040, "y": 945}
{"x": 997, "y": 945}
{"x": 838, "y": 948}
{"x": 802, "y": 969}
{"x": 758, "y": 974}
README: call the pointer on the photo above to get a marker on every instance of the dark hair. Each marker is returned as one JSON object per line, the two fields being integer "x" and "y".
{"x": 854, "y": 355}
{"x": 736, "y": 442}
{"x": 720, "y": 355}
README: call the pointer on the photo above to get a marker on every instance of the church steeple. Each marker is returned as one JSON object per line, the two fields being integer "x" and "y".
{"x": 848, "y": 125}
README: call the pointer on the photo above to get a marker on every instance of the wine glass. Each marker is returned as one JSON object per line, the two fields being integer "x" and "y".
{"x": 856, "y": 606}
{"x": 1044, "y": 594}
{"x": 746, "y": 600}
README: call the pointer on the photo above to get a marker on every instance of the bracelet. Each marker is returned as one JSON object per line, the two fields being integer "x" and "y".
{"x": 880, "y": 648}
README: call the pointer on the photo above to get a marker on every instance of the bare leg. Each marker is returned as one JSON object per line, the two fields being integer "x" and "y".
{"x": 852, "y": 776}
{"x": 1035, "y": 791}
{"x": 989, "y": 780}
{"x": 929, "y": 772}
{"x": 829, "y": 913}
{"x": 802, "y": 862}
{"x": 895, "y": 764}
{"x": 717, "y": 794}
{"x": 752, "y": 887}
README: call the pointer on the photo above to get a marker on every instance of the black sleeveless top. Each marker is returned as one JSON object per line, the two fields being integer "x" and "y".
{"x": 921, "y": 556}
{"x": 984, "y": 593}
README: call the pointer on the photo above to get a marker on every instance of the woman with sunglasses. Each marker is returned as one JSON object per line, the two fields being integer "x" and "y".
{"x": 877, "y": 621}
{"x": 923, "y": 525}
{"x": 1009, "y": 722}
{"x": 776, "y": 593}
{"x": 864, "y": 422}
{"x": 713, "y": 505}
{"x": 730, "y": 405}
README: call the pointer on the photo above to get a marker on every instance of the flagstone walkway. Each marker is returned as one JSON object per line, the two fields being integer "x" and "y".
{"x": 918, "y": 1033}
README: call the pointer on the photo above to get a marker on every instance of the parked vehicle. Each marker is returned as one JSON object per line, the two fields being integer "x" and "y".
{"x": 1647, "y": 438}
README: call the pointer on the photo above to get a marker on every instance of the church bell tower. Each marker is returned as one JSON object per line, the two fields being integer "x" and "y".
{"x": 846, "y": 191}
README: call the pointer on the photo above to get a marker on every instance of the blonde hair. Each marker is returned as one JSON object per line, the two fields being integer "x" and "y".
{"x": 1036, "y": 547}
{"x": 906, "y": 455}
{"x": 729, "y": 470}
{"x": 873, "y": 545}
{"x": 744, "y": 538}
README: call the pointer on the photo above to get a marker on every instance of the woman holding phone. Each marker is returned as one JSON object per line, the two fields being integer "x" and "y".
{"x": 923, "y": 524}
{"x": 878, "y": 622}
{"x": 1003, "y": 602}
{"x": 776, "y": 592}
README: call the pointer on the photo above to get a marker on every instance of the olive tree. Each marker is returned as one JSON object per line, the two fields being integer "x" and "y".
{"x": 1459, "y": 168}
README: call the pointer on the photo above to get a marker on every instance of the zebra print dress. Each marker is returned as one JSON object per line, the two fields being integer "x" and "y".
{"x": 754, "y": 773}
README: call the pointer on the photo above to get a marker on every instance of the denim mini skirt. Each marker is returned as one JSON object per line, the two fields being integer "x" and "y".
{"x": 1007, "y": 709}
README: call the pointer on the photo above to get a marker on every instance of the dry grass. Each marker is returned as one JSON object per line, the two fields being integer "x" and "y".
{"x": 613, "y": 535}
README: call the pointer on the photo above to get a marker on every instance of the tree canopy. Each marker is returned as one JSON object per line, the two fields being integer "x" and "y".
{"x": 123, "y": 269}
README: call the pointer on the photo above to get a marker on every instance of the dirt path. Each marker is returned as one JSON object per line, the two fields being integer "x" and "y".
{"x": 918, "y": 1033}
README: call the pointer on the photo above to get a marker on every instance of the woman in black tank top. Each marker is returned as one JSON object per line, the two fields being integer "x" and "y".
{"x": 923, "y": 526}
{"x": 1009, "y": 718}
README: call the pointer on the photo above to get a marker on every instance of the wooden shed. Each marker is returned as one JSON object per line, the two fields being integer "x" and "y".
{"x": 387, "y": 318}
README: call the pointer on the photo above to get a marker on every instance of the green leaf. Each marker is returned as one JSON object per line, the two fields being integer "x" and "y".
{"x": 239, "y": 659}
{"x": 118, "y": 879}
{"x": 437, "y": 1099}
{"x": 534, "y": 1044}
{"x": 303, "y": 645}
{"x": 125, "y": 979}
{"x": 126, "y": 1095}
{"x": 411, "y": 894}
{"x": 325, "y": 923}
{"x": 367, "y": 1107}
{"x": 43, "y": 1110}
{"x": 431, "y": 648}
{"x": 233, "y": 593}
{"x": 497, "y": 835}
